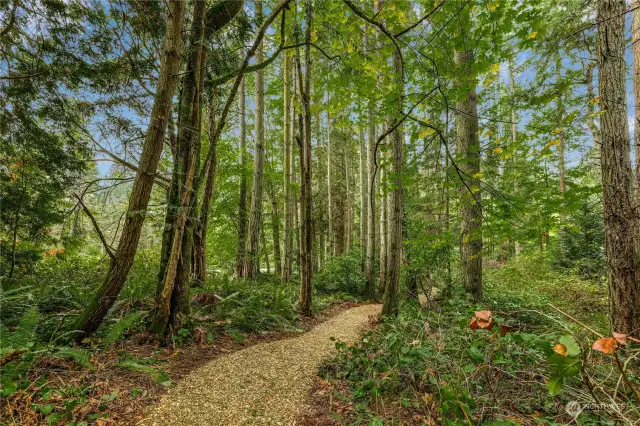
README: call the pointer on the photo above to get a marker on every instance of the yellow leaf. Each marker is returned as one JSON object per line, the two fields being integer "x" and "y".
{"x": 493, "y": 6}
{"x": 560, "y": 349}
{"x": 595, "y": 100}
{"x": 478, "y": 176}
{"x": 553, "y": 142}
{"x": 498, "y": 150}
{"x": 495, "y": 68}
{"x": 533, "y": 35}
{"x": 427, "y": 131}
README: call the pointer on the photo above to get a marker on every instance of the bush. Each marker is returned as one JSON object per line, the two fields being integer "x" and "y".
{"x": 342, "y": 274}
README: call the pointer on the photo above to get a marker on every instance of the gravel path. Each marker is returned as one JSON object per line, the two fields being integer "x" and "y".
{"x": 265, "y": 384}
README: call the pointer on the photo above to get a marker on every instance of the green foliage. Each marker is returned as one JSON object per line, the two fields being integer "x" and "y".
{"x": 117, "y": 330}
{"x": 342, "y": 274}
{"x": 581, "y": 244}
{"x": 266, "y": 304}
{"x": 433, "y": 365}
{"x": 134, "y": 365}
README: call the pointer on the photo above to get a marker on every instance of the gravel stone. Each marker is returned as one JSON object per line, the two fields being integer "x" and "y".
{"x": 265, "y": 384}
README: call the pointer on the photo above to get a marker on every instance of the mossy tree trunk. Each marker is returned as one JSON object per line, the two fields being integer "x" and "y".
{"x": 106, "y": 295}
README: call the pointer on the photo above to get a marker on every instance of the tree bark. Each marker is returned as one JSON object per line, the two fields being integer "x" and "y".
{"x": 390, "y": 302}
{"x": 172, "y": 301}
{"x": 364, "y": 205}
{"x": 560, "y": 131}
{"x": 471, "y": 195}
{"x": 384, "y": 231}
{"x": 275, "y": 229}
{"x": 635, "y": 43}
{"x": 514, "y": 134}
{"x": 288, "y": 201}
{"x": 242, "y": 199}
{"x": 331, "y": 236}
{"x": 106, "y": 295}
{"x": 369, "y": 270}
{"x": 619, "y": 219}
{"x": 200, "y": 230}
{"x": 306, "y": 246}
{"x": 591, "y": 109}
{"x": 252, "y": 260}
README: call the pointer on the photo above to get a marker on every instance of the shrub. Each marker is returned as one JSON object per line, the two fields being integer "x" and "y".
{"x": 342, "y": 274}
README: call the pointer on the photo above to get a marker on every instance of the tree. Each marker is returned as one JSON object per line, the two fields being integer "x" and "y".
{"x": 107, "y": 293}
{"x": 242, "y": 196}
{"x": 468, "y": 144}
{"x": 304, "y": 143}
{"x": 619, "y": 218}
{"x": 288, "y": 201}
{"x": 252, "y": 260}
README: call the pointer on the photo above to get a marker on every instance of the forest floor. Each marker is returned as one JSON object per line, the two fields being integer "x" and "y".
{"x": 265, "y": 384}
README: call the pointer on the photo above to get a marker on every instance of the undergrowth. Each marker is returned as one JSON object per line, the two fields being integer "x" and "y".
{"x": 428, "y": 366}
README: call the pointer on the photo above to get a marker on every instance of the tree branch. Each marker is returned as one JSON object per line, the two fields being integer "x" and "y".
{"x": 106, "y": 246}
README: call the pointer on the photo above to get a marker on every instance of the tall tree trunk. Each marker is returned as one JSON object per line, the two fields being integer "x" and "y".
{"x": 369, "y": 269}
{"x": 348, "y": 195}
{"x": 619, "y": 218}
{"x": 252, "y": 261}
{"x": 560, "y": 131}
{"x": 263, "y": 242}
{"x": 107, "y": 293}
{"x": 200, "y": 230}
{"x": 275, "y": 229}
{"x": 390, "y": 303}
{"x": 321, "y": 224}
{"x": 306, "y": 247}
{"x": 331, "y": 236}
{"x": 514, "y": 133}
{"x": 242, "y": 199}
{"x": 364, "y": 205}
{"x": 635, "y": 43}
{"x": 170, "y": 300}
{"x": 591, "y": 120}
{"x": 384, "y": 230}
{"x": 288, "y": 199}
{"x": 471, "y": 195}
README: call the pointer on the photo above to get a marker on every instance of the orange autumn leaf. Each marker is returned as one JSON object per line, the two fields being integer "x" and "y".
{"x": 621, "y": 338}
{"x": 473, "y": 324}
{"x": 484, "y": 315}
{"x": 560, "y": 349}
{"x": 504, "y": 329}
{"x": 606, "y": 345}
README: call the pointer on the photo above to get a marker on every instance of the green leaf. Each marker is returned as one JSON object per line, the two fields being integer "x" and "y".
{"x": 554, "y": 385}
{"x": 572, "y": 346}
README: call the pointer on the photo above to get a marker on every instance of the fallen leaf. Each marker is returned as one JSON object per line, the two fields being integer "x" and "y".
{"x": 504, "y": 329}
{"x": 620, "y": 338}
{"x": 606, "y": 345}
{"x": 473, "y": 324}
{"x": 484, "y": 315}
{"x": 560, "y": 349}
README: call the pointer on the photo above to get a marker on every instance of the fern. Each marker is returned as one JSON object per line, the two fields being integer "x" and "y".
{"x": 117, "y": 330}
{"x": 24, "y": 333}
{"x": 159, "y": 375}
{"x": 80, "y": 356}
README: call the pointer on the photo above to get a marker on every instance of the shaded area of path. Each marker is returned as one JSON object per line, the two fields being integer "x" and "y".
{"x": 265, "y": 384}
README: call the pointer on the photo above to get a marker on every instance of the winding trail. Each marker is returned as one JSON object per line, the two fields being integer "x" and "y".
{"x": 265, "y": 384}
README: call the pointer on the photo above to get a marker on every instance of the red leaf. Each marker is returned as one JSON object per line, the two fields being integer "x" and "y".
{"x": 473, "y": 324}
{"x": 606, "y": 345}
{"x": 504, "y": 329}
{"x": 621, "y": 338}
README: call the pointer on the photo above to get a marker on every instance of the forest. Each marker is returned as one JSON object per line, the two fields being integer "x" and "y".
{"x": 319, "y": 212}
